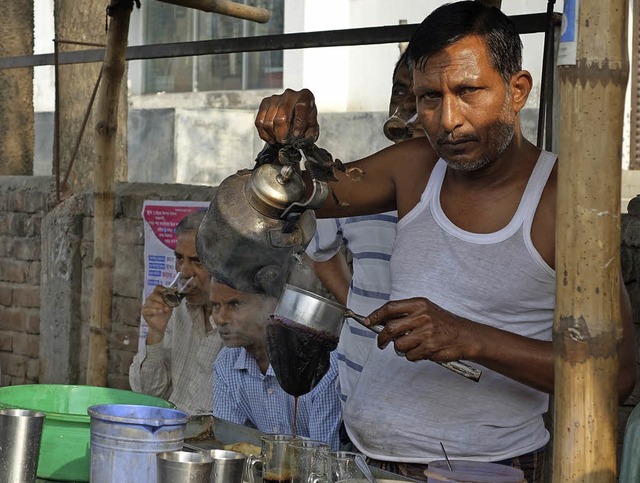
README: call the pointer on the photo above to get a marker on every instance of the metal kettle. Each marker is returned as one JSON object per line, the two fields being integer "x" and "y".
{"x": 256, "y": 220}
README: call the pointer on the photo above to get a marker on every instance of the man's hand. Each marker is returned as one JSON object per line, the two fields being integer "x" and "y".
{"x": 423, "y": 330}
{"x": 157, "y": 314}
{"x": 289, "y": 115}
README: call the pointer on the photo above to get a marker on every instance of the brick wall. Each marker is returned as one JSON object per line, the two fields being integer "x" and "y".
{"x": 46, "y": 256}
{"x": 23, "y": 203}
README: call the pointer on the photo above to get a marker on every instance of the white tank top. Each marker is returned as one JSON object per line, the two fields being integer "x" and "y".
{"x": 401, "y": 410}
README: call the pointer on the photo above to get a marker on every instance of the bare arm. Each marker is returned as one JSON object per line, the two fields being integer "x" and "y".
{"x": 335, "y": 275}
{"x": 391, "y": 179}
{"x": 422, "y": 330}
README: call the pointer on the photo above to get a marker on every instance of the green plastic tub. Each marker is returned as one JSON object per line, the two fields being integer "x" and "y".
{"x": 64, "y": 450}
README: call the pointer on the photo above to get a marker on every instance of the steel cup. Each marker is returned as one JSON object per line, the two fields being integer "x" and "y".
{"x": 183, "y": 467}
{"x": 228, "y": 466}
{"x": 20, "y": 435}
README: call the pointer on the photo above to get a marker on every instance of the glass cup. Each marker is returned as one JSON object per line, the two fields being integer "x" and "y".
{"x": 339, "y": 466}
{"x": 176, "y": 290}
{"x": 307, "y": 457}
{"x": 275, "y": 458}
{"x": 399, "y": 126}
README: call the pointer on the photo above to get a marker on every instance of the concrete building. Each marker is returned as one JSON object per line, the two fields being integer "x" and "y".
{"x": 191, "y": 119}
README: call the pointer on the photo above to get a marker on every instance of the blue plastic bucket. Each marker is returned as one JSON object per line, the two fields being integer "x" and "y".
{"x": 125, "y": 439}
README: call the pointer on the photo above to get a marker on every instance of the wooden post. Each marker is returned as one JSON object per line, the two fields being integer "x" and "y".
{"x": 104, "y": 198}
{"x": 225, "y": 7}
{"x": 587, "y": 327}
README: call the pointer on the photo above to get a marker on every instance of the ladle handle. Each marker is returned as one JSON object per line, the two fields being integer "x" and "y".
{"x": 455, "y": 366}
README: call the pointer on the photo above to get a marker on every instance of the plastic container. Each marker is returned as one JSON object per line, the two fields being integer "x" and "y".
{"x": 64, "y": 448}
{"x": 125, "y": 439}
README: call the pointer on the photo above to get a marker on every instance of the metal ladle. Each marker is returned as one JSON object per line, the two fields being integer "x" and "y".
{"x": 455, "y": 366}
{"x": 321, "y": 314}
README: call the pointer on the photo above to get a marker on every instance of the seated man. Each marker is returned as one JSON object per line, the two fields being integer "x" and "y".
{"x": 181, "y": 344}
{"x": 246, "y": 390}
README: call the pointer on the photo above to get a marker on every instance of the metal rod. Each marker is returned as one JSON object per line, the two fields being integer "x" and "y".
{"x": 82, "y": 128}
{"x": 525, "y": 24}
{"x": 225, "y": 7}
{"x": 547, "y": 73}
{"x": 78, "y": 42}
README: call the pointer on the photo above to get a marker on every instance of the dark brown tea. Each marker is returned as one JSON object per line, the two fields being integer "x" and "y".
{"x": 299, "y": 355}
{"x": 278, "y": 477}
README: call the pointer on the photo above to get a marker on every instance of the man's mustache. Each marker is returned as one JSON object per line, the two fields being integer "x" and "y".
{"x": 450, "y": 138}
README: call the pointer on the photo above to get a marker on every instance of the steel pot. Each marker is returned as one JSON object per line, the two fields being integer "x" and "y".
{"x": 323, "y": 315}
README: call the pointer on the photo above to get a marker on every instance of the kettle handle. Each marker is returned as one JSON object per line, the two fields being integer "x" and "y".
{"x": 316, "y": 200}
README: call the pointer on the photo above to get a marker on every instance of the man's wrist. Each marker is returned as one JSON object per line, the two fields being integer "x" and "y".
{"x": 154, "y": 337}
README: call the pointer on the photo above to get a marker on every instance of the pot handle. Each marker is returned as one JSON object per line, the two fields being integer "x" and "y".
{"x": 316, "y": 200}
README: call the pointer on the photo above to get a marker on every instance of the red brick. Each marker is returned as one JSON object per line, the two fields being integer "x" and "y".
{"x": 13, "y": 270}
{"x": 27, "y": 248}
{"x": 6, "y": 341}
{"x": 26, "y": 296}
{"x": 33, "y": 275}
{"x": 12, "y": 318}
{"x": 119, "y": 361}
{"x": 26, "y": 344}
{"x": 6, "y": 291}
{"x": 18, "y": 223}
{"x": 124, "y": 338}
{"x": 14, "y": 365}
{"x": 31, "y": 323}
{"x": 5, "y": 229}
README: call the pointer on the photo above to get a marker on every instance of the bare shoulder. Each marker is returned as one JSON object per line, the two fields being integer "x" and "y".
{"x": 412, "y": 172}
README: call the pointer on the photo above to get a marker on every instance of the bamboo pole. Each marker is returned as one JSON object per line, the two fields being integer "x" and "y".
{"x": 225, "y": 7}
{"x": 104, "y": 199}
{"x": 587, "y": 327}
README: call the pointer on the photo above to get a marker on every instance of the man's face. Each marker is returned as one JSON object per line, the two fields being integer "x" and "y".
{"x": 241, "y": 317}
{"x": 402, "y": 95}
{"x": 464, "y": 105}
{"x": 188, "y": 263}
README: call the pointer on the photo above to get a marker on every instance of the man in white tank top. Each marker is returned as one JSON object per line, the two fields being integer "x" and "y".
{"x": 472, "y": 269}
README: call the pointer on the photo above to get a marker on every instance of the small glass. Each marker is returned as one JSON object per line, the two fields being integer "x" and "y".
{"x": 399, "y": 127}
{"x": 339, "y": 466}
{"x": 177, "y": 290}
{"x": 308, "y": 457}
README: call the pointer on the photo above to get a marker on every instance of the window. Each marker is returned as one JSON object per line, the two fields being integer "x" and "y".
{"x": 165, "y": 23}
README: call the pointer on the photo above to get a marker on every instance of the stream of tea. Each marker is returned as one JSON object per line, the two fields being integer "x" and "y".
{"x": 299, "y": 355}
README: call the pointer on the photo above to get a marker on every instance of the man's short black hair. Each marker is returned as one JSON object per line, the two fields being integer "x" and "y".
{"x": 402, "y": 60}
{"x": 451, "y": 22}
{"x": 191, "y": 222}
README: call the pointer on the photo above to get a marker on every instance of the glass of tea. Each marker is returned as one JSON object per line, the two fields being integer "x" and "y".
{"x": 400, "y": 125}
{"x": 339, "y": 466}
{"x": 275, "y": 458}
{"x": 176, "y": 290}
{"x": 308, "y": 457}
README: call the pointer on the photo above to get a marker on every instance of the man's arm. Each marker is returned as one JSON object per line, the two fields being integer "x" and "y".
{"x": 422, "y": 330}
{"x": 367, "y": 186}
{"x": 150, "y": 370}
{"x": 335, "y": 275}
{"x": 225, "y": 393}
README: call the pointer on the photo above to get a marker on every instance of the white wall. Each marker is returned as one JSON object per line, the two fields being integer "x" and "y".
{"x": 43, "y": 78}
{"x": 359, "y": 78}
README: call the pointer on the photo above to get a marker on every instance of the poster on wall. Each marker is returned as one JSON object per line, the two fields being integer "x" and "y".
{"x": 567, "y": 51}
{"x": 160, "y": 219}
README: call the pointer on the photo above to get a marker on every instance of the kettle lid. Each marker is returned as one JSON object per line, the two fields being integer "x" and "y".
{"x": 271, "y": 188}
